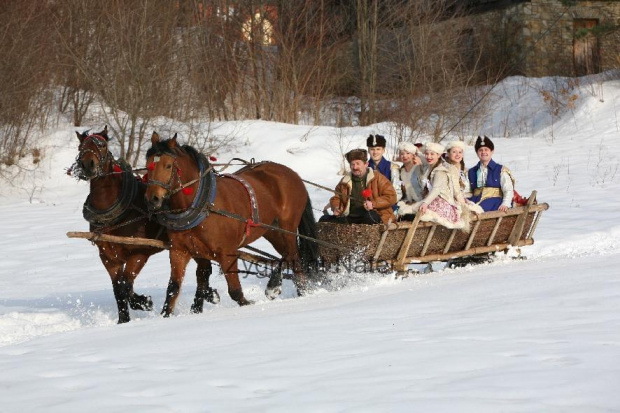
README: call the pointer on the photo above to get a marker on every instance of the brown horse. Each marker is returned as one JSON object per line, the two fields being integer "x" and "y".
{"x": 116, "y": 206}
{"x": 210, "y": 215}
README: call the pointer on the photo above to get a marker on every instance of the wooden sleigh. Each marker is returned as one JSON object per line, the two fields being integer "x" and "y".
{"x": 402, "y": 243}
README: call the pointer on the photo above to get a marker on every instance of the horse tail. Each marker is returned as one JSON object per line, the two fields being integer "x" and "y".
{"x": 308, "y": 249}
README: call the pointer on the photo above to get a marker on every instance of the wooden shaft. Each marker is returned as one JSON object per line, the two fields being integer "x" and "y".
{"x": 94, "y": 237}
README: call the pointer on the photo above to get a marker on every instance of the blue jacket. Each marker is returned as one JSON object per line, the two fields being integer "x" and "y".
{"x": 493, "y": 181}
{"x": 384, "y": 167}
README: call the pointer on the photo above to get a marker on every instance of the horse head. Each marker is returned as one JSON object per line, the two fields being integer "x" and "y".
{"x": 163, "y": 171}
{"x": 93, "y": 154}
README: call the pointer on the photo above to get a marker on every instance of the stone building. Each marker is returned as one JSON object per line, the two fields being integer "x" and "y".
{"x": 552, "y": 37}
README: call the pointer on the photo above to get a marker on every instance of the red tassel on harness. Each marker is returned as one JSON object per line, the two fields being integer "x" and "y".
{"x": 151, "y": 166}
{"x": 187, "y": 190}
{"x": 117, "y": 169}
{"x": 145, "y": 178}
{"x": 249, "y": 224}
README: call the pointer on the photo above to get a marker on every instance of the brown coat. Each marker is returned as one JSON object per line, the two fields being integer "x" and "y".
{"x": 383, "y": 195}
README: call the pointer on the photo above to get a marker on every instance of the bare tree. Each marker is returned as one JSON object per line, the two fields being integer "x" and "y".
{"x": 135, "y": 72}
{"x": 24, "y": 76}
{"x": 75, "y": 51}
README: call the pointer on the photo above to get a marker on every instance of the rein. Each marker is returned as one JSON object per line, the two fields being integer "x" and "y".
{"x": 176, "y": 173}
{"x": 273, "y": 228}
{"x": 208, "y": 207}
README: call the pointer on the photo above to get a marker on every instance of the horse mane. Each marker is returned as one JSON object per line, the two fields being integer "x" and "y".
{"x": 162, "y": 147}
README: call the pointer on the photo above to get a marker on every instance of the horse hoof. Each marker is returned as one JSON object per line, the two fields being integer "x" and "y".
{"x": 303, "y": 291}
{"x": 196, "y": 309}
{"x": 144, "y": 303}
{"x": 272, "y": 293}
{"x": 213, "y": 296}
{"x": 245, "y": 302}
{"x": 123, "y": 320}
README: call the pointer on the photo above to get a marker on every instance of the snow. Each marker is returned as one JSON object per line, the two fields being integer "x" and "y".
{"x": 541, "y": 334}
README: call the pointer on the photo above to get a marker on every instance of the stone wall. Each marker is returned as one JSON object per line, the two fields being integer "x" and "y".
{"x": 548, "y": 35}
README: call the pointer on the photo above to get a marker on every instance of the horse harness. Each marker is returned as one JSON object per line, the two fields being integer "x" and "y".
{"x": 100, "y": 142}
{"x": 199, "y": 210}
{"x": 249, "y": 222}
{"x": 203, "y": 202}
{"x": 115, "y": 215}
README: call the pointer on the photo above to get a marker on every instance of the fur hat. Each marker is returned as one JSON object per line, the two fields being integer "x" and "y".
{"x": 484, "y": 141}
{"x": 455, "y": 144}
{"x": 434, "y": 147}
{"x": 357, "y": 154}
{"x": 375, "y": 140}
{"x": 407, "y": 147}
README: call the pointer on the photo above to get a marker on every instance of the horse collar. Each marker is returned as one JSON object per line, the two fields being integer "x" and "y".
{"x": 116, "y": 213}
{"x": 199, "y": 209}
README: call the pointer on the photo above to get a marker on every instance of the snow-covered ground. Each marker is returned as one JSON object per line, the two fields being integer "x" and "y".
{"x": 535, "y": 335}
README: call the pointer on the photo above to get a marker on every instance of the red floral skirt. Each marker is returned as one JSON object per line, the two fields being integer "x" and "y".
{"x": 444, "y": 209}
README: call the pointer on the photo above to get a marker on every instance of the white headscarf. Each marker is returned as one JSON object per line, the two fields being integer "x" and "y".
{"x": 407, "y": 147}
{"x": 455, "y": 144}
{"x": 434, "y": 147}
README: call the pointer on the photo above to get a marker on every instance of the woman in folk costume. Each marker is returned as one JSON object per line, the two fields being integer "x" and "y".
{"x": 455, "y": 156}
{"x": 410, "y": 177}
{"x": 443, "y": 200}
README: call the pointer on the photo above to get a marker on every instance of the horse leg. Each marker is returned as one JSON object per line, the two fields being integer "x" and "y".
{"x": 133, "y": 266}
{"x": 286, "y": 245}
{"x": 203, "y": 290}
{"x": 120, "y": 288}
{"x": 178, "y": 263}
{"x": 228, "y": 262}
{"x": 274, "y": 286}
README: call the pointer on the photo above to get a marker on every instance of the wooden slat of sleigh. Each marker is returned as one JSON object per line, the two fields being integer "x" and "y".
{"x": 517, "y": 230}
{"x": 378, "y": 246}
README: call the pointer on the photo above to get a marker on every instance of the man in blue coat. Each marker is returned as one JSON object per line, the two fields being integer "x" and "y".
{"x": 391, "y": 170}
{"x": 491, "y": 183}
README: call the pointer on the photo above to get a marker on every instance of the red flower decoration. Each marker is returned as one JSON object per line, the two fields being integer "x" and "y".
{"x": 212, "y": 158}
{"x": 367, "y": 193}
{"x": 117, "y": 169}
{"x": 188, "y": 191}
{"x": 151, "y": 166}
